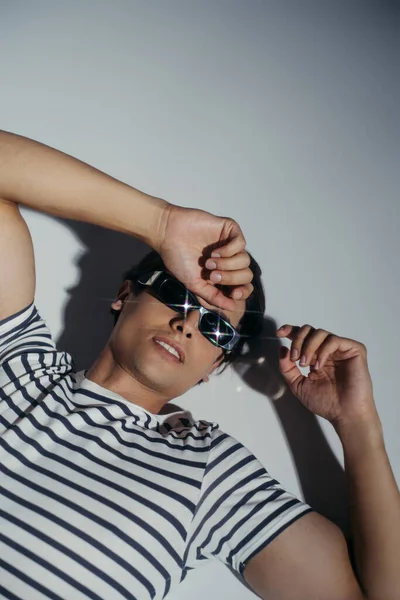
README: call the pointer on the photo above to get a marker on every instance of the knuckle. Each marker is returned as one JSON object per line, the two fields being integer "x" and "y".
{"x": 240, "y": 242}
{"x": 247, "y": 291}
{"x": 243, "y": 259}
{"x": 248, "y": 259}
{"x": 304, "y": 330}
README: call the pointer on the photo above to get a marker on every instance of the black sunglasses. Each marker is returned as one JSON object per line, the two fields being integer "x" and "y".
{"x": 175, "y": 295}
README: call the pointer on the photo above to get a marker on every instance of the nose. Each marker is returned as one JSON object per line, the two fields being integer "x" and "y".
{"x": 188, "y": 323}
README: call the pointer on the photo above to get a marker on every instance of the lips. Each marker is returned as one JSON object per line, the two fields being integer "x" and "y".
{"x": 172, "y": 343}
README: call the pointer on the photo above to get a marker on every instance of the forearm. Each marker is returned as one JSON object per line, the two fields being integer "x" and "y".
{"x": 374, "y": 504}
{"x": 50, "y": 181}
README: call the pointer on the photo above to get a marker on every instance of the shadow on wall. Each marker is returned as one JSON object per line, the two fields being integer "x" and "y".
{"x": 88, "y": 324}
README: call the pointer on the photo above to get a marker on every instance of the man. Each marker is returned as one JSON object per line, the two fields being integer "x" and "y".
{"x": 101, "y": 495}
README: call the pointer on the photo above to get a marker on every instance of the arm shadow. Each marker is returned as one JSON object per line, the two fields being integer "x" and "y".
{"x": 88, "y": 325}
{"x": 88, "y": 322}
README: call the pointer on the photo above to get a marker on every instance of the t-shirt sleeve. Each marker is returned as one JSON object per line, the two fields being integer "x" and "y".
{"x": 241, "y": 508}
{"x": 22, "y": 332}
{"x": 30, "y": 364}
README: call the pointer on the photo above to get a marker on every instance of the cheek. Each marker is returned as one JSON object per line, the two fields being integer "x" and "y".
{"x": 208, "y": 352}
{"x": 134, "y": 323}
{"x": 145, "y": 313}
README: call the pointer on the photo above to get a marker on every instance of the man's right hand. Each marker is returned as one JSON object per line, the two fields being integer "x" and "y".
{"x": 186, "y": 239}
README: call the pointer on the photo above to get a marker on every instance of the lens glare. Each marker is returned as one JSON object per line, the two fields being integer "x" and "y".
{"x": 174, "y": 295}
{"x": 211, "y": 325}
{"x": 214, "y": 325}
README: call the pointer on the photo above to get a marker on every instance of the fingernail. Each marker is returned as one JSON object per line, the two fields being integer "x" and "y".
{"x": 237, "y": 295}
{"x": 215, "y": 255}
{"x": 303, "y": 360}
{"x": 211, "y": 264}
{"x": 215, "y": 277}
{"x": 295, "y": 354}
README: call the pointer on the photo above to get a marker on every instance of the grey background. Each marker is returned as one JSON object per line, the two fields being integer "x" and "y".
{"x": 282, "y": 115}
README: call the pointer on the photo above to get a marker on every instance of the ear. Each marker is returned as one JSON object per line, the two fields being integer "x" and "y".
{"x": 122, "y": 295}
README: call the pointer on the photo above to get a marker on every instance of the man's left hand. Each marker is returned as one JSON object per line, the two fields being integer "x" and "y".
{"x": 340, "y": 389}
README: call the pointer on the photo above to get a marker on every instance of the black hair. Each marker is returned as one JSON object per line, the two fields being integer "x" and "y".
{"x": 251, "y": 323}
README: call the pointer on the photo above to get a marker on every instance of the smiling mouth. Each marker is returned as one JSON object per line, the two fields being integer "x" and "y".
{"x": 166, "y": 354}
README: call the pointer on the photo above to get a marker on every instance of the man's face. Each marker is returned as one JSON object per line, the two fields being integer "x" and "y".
{"x": 142, "y": 318}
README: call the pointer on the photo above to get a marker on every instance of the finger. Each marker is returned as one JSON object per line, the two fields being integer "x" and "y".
{"x": 296, "y": 334}
{"x": 289, "y": 370}
{"x": 233, "y": 263}
{"x": 312, "y": 346}
{"x": 216, "y": 297}
{"x": 288, "y": 331}
{"x": 336, "y": 343}
{"x": 329, "y": 346}
{"x": 306, "y": 343}
{"x": 297, "y": 344}
{"x": 243, "y": 290}
{"x": 236, "y": 243}
{"x": 236, "y": 278}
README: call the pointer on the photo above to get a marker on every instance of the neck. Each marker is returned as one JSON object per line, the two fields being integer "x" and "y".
{"x": 107, "y": 373}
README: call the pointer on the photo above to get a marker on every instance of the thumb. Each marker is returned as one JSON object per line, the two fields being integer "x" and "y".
{"x": 288, "y": 368}
{"x": 214, "y": 296}
{"x": 283, "y": 351}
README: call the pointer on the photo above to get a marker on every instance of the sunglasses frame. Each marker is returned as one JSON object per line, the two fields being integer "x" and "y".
{"x": 155, "y": 279}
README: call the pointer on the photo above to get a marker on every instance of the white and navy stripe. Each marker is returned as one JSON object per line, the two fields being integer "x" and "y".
{"x": 101, "y": 499}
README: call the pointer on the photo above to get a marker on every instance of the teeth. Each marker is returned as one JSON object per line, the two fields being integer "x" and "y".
{"x": 169, "y": 348}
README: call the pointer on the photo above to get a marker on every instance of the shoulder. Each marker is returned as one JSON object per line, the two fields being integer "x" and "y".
{"x": 30, "y": 365}
{"x": 24, "y": 332}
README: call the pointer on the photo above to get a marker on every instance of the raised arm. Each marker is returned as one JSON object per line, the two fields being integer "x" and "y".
{"x": 50, "y": 181}
{"x": 17, "y": 266}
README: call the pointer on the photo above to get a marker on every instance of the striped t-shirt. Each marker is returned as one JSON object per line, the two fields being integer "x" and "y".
{"x": 101, "y": 499}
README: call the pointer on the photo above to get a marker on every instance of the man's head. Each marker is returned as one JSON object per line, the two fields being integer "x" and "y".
{"x": 140, "y": 315}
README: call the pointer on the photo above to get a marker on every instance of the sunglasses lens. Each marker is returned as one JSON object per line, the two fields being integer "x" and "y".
{"x": 214, "y": 327}
{"x": 174, "y": 294}
{"x": 211, "y": 325}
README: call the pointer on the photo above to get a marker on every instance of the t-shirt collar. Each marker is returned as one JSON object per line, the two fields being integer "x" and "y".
{"x": 147, "y": 419}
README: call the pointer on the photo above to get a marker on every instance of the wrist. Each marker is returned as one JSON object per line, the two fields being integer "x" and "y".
{"x": 142, "y": 216}
{"x": 157, "y": 211}
{"x": 358, "y": 433}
